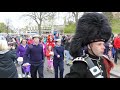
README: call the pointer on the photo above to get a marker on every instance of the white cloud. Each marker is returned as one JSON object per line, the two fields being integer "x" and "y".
{"x": 14, "y": 18}
{"x": 18, "y": 22}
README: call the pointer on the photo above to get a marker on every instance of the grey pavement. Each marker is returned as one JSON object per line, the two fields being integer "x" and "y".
{"x": 47, "y": 74}
{"x": 115, "y": 72}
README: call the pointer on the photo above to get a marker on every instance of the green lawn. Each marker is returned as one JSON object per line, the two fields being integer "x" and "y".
{"x": 116, "y": 26}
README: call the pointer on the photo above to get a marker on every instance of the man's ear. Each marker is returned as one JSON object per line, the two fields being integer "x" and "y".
{"x": 88, "y": 46}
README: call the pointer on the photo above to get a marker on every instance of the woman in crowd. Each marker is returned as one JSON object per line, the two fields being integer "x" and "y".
{"x": 7, "y": 65}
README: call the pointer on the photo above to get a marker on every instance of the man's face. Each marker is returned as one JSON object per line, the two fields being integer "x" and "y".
{"x": 58, "y": 43}
{"x": 97, "y": 48}
{"x": 36, "y": 40}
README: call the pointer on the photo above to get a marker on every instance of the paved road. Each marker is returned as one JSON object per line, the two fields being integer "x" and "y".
{"x": 46, "y": 73}
{"x": 67, "y": 69}
{"x": 116, "y": 70}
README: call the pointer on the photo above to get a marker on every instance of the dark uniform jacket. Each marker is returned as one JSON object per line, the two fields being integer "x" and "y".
{"x": 80, "y": 69}
{"x": 7, "y": 65}
{"x": 58, "y": 50}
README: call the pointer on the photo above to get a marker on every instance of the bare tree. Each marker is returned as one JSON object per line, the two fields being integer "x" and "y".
{"x": 75, "y": 14}
{"x": 39, "y": 17}
{"x": 8, "y": 22}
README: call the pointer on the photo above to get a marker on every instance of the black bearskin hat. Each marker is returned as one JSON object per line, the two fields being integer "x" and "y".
{"x": 91, "y": 27}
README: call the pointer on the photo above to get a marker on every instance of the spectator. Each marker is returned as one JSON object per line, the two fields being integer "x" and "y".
{"x": 49, "y": 55}
{"x": 7, "y": 65}
{"x": 35, "y": 56}
{"x": 20, "y": 53}
{"x": 58, "y": 59}
{"x": 117, "y": 47}
{"x": 30, "y": 40}
{"x": 66, "y": 51}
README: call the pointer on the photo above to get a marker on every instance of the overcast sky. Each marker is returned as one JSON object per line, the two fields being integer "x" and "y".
{"x": 14, "y": 18}
{"x": 17, "y": 22}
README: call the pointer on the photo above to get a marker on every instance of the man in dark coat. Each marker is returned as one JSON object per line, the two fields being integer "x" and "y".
{"x": 93, "y": 30}
{"x": 58, "y": 59}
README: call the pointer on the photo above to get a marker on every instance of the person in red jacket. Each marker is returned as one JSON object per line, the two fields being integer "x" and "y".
{"x": 50, "y": 41}
{"x": 30, "y": 40}
{"x": 49, "y": 56}
{"x": 117, "y": 47}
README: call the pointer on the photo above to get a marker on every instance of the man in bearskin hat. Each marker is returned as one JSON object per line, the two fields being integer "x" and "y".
{"x": 92, "y": 32}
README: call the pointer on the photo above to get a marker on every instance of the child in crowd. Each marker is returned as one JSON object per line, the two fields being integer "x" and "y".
{"x": 49, "y": 55}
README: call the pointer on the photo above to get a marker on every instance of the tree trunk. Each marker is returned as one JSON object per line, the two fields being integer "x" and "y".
{"x": 39, "y": 29}
{"x": 7, "y": 29}
{"x": 75, "y": 14}
{"x": 76, "y": 17}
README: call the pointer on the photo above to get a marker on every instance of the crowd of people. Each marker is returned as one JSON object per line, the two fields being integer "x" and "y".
{"x": 93, "y": 43}
{"x": 35, "y": 49}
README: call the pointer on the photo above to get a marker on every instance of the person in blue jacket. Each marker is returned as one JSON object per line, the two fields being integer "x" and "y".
{"x": 58, "y": 59}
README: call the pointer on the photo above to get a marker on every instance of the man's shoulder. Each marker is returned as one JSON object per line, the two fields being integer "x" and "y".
{"x": 79, "y": 64}
{"x": 62, "y": 47}
{"x": 41, "y": 46}
{"x": 79, "y": 60}
{"x": 106, "y": 58}
{"x": 30, "y": 46}
{"x": 10, "y": 53}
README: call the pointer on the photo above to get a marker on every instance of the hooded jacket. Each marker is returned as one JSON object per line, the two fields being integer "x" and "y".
{"x": 7, "y": 66}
